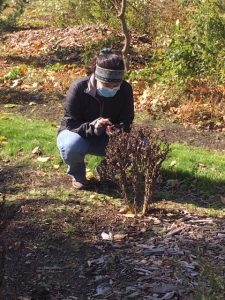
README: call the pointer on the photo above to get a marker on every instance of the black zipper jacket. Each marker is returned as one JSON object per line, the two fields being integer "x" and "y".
{"x": 84, "y": 105}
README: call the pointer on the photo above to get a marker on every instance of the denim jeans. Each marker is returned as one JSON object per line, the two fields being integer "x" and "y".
{"x": 73, "y": 149}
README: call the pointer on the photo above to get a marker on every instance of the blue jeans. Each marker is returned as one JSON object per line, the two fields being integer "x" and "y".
{"x": 73, "y": 149}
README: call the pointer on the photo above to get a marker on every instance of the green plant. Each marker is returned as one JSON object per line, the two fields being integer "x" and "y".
{"x": 196, "y": 47}
{"x": 8, "y": 18}
{"x": 15, "y": 72}
{"x": 55, "y": 67}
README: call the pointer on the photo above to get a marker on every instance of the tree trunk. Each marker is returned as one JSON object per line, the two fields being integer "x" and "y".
{"x": 127, "y": 38}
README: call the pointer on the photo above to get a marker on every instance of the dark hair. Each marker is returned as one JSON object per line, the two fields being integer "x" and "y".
{"x": 110, "y": 60}
{"x": 107, "y": 59}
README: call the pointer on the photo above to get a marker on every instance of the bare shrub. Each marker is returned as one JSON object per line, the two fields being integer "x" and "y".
{"x": 133, "y": 162}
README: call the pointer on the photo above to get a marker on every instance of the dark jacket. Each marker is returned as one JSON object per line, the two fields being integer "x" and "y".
{"x": 84, "y": 105}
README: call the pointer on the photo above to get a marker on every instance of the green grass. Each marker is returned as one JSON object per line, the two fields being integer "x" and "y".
{"x": 193, "y": 167}
{"x": 19, "y": 136}
{"x": 205, "y": 169}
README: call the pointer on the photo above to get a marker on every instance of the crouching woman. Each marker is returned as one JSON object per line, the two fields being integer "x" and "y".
{"x": 94, "y": 105}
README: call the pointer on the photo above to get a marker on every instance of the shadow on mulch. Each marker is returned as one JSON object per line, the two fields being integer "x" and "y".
{"x": 10, "y": 179}
{"x": 19, "y": 96}
{"x": 59, "y": 54}
{"x": 42, "y": 262}
{"x": 37, "y": 105}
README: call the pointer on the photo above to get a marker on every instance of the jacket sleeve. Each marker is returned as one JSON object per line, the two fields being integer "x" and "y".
{"x": 73, "y": 119}
{"x": 127, "y": 113}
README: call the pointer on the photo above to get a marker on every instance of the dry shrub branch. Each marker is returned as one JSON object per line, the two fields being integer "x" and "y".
{"x": 133, "y": 162}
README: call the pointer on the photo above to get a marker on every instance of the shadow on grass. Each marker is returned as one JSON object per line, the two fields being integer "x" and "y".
{"x": 184, "y": 188}
{"x": 187, "y": 188}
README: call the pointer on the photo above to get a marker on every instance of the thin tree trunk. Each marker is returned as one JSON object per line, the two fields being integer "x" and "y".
{"x": 127, "y": 38}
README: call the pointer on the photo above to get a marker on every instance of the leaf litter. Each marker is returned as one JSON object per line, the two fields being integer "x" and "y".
{"x": 164, "y": 261}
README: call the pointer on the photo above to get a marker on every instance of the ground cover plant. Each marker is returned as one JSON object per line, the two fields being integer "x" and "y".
{"x": 65, "y": 244}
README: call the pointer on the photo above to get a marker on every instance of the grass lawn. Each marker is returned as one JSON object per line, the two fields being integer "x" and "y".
{"x": 20, "y": 136}
{"x": 186, "y": 167}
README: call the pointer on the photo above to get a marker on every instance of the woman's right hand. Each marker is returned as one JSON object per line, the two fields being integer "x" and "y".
{"x": 100, "y": 125}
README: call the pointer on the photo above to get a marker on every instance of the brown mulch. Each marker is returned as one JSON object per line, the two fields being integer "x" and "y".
{"x": 45, "y": 258}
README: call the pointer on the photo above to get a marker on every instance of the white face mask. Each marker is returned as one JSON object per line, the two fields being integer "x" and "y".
{"x": 106, "y": 91}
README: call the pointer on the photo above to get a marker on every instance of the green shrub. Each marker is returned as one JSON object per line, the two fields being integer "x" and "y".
{"x": 196, "y": 48}
{"x": 9, "y": 17}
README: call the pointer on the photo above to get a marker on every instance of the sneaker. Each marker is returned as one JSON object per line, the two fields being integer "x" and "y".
{"x": 79, "y": 185}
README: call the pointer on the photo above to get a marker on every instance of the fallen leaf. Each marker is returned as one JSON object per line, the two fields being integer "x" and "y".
{"x": 3, "y": 138}
{"x": 222, "y": 199}
{"x": 4, "y": 118}
{"x": 44, "y": 159}
{"x": 35, "y": 85}
{"x": 32, "y": 103}
{"x": 36, "y": 150}
{"x": 56, "y": 167}
{"x": 124, "y": 209}
{"x": 89, "y": 174}
{"x": 10, "y": 105}
{"x": 173, "y": 163}
{"x": 172, "y": 182}
{"x": 94, "y": 196}
{"x": 119, "y": 236}
{"x": 202, "y": 166}
{"x": 16, "y": 83}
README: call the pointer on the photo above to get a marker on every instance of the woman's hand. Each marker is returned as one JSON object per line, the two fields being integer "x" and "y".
{"x": 100, "y": 125}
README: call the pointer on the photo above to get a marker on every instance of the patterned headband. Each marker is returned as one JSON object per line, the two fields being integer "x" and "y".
{"x": 107, "y": 75}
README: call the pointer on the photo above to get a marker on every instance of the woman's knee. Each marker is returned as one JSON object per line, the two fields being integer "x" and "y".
{"x": 72, "y": 147}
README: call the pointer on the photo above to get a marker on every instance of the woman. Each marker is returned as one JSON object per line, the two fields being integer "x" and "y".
{"x": 94, "y": 105}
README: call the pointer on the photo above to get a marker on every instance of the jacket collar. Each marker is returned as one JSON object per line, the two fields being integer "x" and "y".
{"x": 92, "y": 86}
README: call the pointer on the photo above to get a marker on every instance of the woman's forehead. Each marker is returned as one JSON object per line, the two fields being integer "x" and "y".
{"x": 109, "y": 84}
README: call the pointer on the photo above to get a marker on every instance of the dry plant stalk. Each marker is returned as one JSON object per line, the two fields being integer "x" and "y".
{"x": 133, "y": 162}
